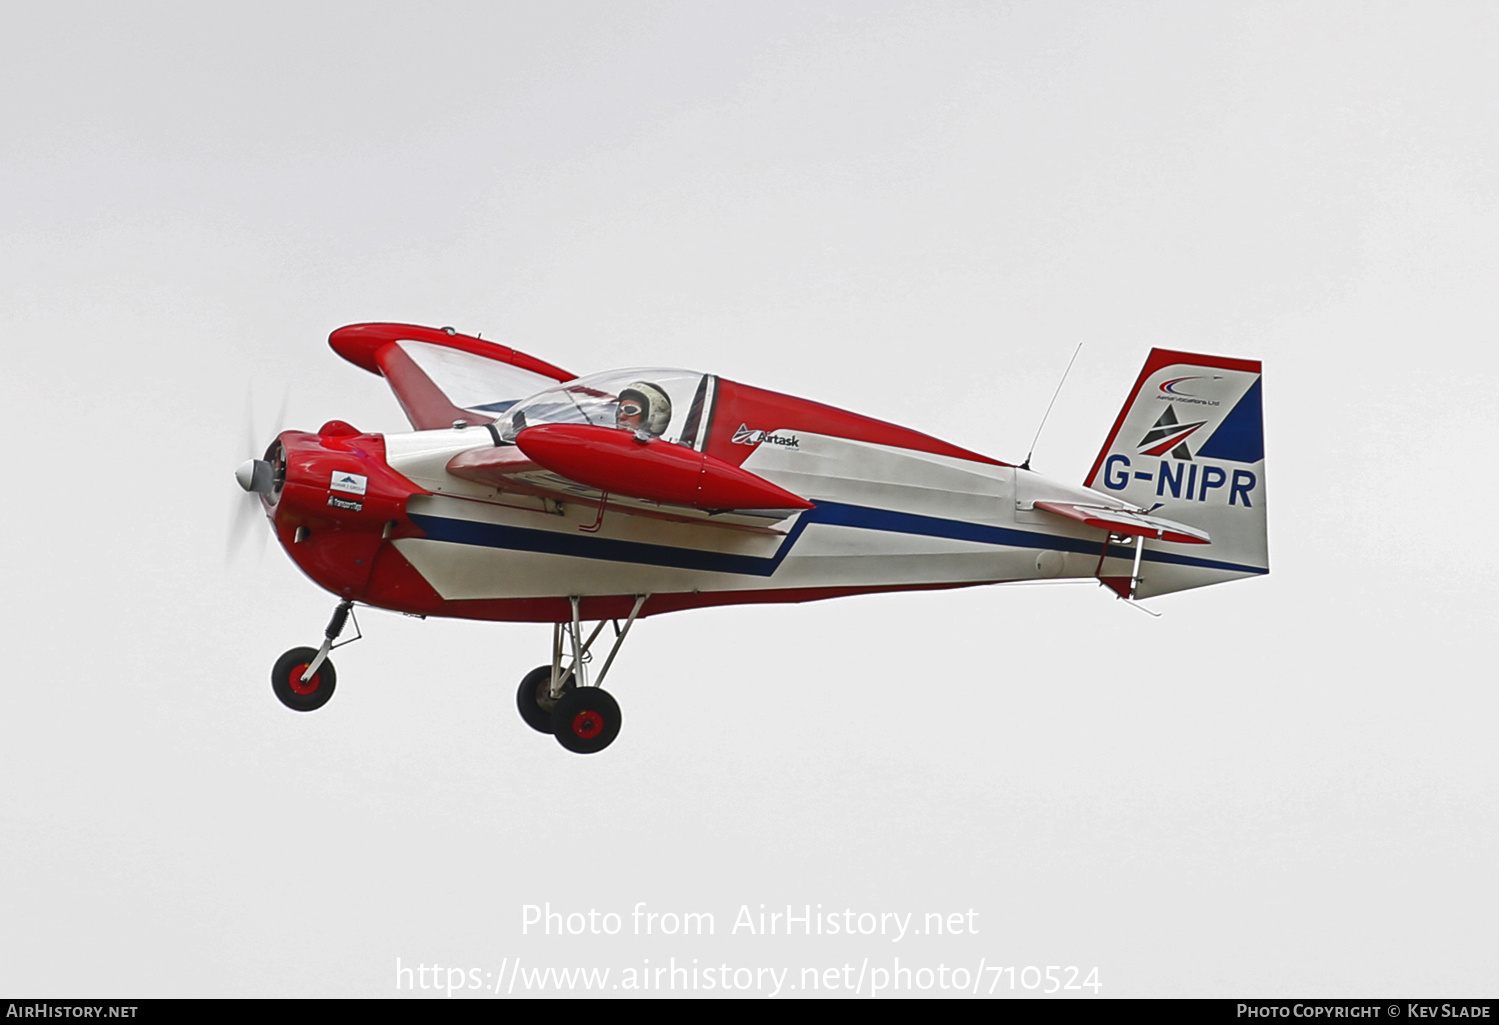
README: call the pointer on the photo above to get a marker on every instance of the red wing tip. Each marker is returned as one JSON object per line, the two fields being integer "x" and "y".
{"x": 359, "y": 344}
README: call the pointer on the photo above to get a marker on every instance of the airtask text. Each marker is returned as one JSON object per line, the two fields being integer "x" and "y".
{"x": 745, "y": 436}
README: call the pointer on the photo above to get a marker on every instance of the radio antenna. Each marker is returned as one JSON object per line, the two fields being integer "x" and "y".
{"x": 1027, "y": 464}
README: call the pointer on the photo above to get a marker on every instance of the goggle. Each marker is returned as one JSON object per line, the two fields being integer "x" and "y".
{"x": 630, "y": 407}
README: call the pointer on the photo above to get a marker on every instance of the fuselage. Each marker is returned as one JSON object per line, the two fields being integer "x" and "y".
{"x": 383, "y": 520}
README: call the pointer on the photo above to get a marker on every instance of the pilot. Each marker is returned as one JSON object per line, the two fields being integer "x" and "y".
{"x": 643, "y": 407}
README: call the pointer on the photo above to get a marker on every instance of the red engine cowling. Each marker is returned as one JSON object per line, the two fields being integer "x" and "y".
{"x": 334, "y": 502}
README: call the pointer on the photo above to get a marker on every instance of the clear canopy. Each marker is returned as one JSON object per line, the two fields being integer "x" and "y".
{"x": 663, "y": 403}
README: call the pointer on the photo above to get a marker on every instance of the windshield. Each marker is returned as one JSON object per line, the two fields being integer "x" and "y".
{"x": 663, "y": 403}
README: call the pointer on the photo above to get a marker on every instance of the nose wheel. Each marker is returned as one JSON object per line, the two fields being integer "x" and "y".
{"x": 303, "y": 678}
{"x": 296, "y": 693}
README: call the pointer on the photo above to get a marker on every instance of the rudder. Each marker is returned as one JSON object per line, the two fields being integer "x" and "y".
{"x": 1190, "y": 444}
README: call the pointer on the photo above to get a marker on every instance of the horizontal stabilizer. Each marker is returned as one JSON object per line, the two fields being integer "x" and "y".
{"x": 1122, "y": 521}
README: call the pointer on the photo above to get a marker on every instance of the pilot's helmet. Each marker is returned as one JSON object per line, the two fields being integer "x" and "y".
{"x": 643, "y": 407}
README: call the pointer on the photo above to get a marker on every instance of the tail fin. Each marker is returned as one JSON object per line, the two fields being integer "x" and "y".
{"x": 1190, "y": 442}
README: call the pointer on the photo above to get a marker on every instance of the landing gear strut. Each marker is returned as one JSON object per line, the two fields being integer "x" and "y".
{"x": 557, "y": 699}
{"x": 303, "y": 678}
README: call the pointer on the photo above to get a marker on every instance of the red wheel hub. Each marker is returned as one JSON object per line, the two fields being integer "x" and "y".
{"x": 588, "y": 725}
{"x": 304, "y": 689}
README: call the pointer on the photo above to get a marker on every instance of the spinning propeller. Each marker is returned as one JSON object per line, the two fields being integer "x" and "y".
{"x": 257, "y": 476}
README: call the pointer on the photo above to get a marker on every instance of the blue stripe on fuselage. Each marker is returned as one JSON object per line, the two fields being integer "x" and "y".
{"x": 553, "y": 542}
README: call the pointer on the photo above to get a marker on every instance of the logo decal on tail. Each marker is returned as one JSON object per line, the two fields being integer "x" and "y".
{"x": 1169, "y": 433}
{"x": 1169, "y": 387}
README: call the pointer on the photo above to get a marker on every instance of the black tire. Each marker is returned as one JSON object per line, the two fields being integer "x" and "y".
{"x": 534, "y": 697}
{"x": 586, "y": 720}
{"x": 286, "y": 680}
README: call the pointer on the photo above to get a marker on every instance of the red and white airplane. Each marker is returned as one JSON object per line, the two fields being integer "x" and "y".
{"x": 526, "y": 493}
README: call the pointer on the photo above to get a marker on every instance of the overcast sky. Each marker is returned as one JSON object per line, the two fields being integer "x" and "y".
{"x": 913, "y": 210}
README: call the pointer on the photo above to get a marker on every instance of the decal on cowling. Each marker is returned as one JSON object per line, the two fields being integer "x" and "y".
{"x": 353, "y": 483}
{"x": 345, "y": 503}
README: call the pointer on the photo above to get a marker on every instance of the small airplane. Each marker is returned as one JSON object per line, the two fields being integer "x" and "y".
{"x": 526, "y": 493}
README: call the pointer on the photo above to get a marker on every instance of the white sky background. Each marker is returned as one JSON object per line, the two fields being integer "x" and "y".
{"x": 1283, "y": 786}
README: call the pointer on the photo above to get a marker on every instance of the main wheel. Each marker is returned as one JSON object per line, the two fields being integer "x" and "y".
{"x": 286, "y": 680}
{"x": 586, "y": 720}
{"x": 534, "y": 699}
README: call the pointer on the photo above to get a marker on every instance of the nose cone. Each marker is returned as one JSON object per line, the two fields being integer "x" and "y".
{"x": 254, "y": 475}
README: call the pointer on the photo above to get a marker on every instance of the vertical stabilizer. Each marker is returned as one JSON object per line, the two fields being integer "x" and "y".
{"x": 1190, "y": 445}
